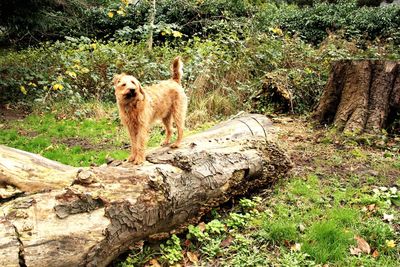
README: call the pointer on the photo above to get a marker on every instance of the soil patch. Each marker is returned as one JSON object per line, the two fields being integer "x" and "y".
{"x": 8, "y": 113}
{"x": 85, "y": 144}
{"x": 28, "y": 133}
{"x": 337, "y": 157}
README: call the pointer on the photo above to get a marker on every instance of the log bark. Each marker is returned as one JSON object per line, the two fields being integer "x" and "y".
{"x": 100, "y": 212}
{"x": 361, "y": 96}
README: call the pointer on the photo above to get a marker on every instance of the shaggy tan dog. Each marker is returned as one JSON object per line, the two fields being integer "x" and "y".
{"x": 139, "y": 107}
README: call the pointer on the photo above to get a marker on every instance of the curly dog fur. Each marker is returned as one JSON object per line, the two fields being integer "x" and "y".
{"x": 140, "y": 106}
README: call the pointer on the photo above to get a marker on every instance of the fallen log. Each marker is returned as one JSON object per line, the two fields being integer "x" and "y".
{"x": 102, "y": 211}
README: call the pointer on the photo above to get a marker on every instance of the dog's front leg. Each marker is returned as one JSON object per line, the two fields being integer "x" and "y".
{"x": 139, "y": 145}
{"x": 133, "y": 136}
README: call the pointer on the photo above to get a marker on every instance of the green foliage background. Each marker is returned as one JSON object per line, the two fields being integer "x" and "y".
{"x": 58, "y": 58}
{"x": 229, "y": 48}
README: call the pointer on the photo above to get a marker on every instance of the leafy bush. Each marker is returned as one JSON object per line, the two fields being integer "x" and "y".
{"x": 25, "y": 23}
{"x": 171, "y": 251}
{"x": 222, "y": 75}
{"x": 314, "y": 23}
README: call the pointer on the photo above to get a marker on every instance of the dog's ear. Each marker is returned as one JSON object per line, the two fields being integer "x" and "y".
{"x": 140, "y": 89}
{"x": 117, "y": 78}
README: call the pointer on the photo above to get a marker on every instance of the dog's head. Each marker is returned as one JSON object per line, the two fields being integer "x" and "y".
{"x": 127, "y": 88}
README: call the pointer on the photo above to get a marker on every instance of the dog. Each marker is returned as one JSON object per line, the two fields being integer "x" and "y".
{"x": 140, "y": 106}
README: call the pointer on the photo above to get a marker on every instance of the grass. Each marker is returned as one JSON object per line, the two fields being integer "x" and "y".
{"x": 71, "y": 141}
{"x": 76, "y": 137}
{"x": 327, "y": 241}
{"x": 338, "y": 189}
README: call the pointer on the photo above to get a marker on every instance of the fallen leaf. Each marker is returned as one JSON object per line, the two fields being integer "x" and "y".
{"x": 192, "y": 257}
{"x": 393, "y": 190}
{"x": 364, "y": 209}
{"x": 295, "y": 247}
{"x": 154, "y": 263}
{"x": 226, "y": 242}
{"x": 362, "y": 245}
{"x": 202, "y": 226}
{"x": 371, "y": 207}
{"x": 388, "y": 217}
{"x": 375, "y": 254}
{"x": 355, "y": 251}
{"x": 302, "y": 228}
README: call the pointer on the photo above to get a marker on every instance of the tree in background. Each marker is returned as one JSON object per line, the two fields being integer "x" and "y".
{"x": 30, "y": 21}
{"x": 152, "y": 18}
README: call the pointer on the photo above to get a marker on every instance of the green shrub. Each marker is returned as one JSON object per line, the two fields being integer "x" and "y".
{"x": 171, "y": 251}
{"x": 223, "y": 74}
{"x": 359, "y": 23}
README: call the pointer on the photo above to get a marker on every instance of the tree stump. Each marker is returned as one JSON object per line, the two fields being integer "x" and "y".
{"x": 361, "y": 95}
{"x": 66, "y": 216}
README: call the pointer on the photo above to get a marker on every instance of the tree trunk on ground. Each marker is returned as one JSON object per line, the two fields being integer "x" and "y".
{"x": 104, "y": 210}
{"x": 362, "y": 96}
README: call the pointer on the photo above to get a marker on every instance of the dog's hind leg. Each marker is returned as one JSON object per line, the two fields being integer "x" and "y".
{"x": 179, "y": 118}
{"x": 167, "y": 121}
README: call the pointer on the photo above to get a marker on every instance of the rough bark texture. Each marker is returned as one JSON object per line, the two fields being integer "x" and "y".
{"x": 361, "y": 95}
{"x": 26, "y": 172}
{"x": 104, "y": 210}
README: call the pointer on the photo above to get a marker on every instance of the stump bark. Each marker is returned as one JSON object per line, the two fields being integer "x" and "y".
{"x": 361, "y": 96}
{"x": 56, "y": 215}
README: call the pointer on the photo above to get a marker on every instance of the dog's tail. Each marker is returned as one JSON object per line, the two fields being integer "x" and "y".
{"x": 177, "y": 69}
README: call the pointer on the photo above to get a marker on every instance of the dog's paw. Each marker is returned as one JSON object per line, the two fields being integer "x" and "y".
{"x": 165, "y": 143}
{"x": 174, "y": 145}
{"x": 136, "y": 160}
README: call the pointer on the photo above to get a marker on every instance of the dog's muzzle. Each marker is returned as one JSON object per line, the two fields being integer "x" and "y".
{"x": 131, "y": 93}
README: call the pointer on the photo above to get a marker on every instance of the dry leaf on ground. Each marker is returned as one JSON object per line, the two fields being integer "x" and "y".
{"x": 192, "y": 257}
{"x": 363, "y": 245}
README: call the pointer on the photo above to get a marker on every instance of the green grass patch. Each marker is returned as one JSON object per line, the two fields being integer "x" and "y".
{"x": 326, "y": 241}
{"x": 345, "y": 217}
{"x": 74, "y": 140}
{"x": 279, "y": 231}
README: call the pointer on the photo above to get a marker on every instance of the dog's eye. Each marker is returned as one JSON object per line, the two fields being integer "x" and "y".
{"x": 124, "y": 84}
